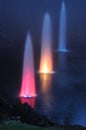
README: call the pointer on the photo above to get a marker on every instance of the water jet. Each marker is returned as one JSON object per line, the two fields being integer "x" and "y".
{"x": 62, "y": 30}
{"x": 46, "y": 63}
{"x": 28, "y": 88}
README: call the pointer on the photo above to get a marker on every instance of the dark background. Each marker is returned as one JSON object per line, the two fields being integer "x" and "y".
{"x": 17, "y": 17}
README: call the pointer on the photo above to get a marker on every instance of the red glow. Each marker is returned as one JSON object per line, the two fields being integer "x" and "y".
{"x": 28, "y": 85}
{"x": 28, "y": 78}
{"x": 29, "y": 101}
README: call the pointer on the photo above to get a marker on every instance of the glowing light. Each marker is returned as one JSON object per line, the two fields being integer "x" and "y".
{"x": 46, "y": 63}
{"x": 62, "y": 30}
{"x": 28, "y": 79}
{"x": 45, "y": 69}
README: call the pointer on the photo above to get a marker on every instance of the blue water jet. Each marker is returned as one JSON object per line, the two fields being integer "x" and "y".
{"x": 62, "y": 30}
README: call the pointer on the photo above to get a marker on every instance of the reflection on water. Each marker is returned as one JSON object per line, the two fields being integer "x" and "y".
{"x": 57, "y": 100}
{"x": 29, "y": 101}
{"x": 79, "y": 116}
{"x": 46, "y": 80}
{"x": 45, "y": 89}
{"x": 62, "y": 61}
{"x": 62, "y": 68}
{"x": 62, "y": 96}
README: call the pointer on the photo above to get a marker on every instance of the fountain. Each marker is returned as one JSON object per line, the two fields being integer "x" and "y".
{"x": 28, "y": 79}
{"x": 62, "y": 30}
{"x": 46, "y": 64}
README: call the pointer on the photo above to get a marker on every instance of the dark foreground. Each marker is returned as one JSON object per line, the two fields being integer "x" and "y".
{"x": 16, "y": 125}
{"x": 23, "y": 117}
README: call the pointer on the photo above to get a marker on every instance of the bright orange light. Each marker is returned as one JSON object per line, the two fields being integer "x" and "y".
{"x": 46, "y": 63}
{"x": 45, "y": 69}
{"x": 46, "y": 66}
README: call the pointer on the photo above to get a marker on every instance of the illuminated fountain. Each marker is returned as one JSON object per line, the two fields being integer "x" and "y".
{"x": 28, "y": 79}
{"x": 46, "y": 64}
{"x": 62, "y": 30}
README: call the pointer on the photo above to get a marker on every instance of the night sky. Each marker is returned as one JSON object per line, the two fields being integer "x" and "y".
{"x": 20, "y": 16}
{"x": 17, "y": 17}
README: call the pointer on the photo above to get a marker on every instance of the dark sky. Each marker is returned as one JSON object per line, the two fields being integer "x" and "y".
{"x": 17, "y": 17}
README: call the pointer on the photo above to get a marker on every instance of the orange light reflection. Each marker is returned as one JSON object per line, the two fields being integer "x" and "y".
{"x": 46, "y": 83}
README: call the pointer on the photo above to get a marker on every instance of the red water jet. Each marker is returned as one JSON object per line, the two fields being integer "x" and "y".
{"x": 28, "y": 78}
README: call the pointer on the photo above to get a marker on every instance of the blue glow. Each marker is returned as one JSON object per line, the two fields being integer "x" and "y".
{"x": 62, "y": 30}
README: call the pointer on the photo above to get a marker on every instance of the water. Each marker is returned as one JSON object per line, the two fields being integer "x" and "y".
{"x": 46, "y": 63}
{"x": 61, "y": 96}
{"x": 62, "y": 30}
{"x": 28, "y": 79}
